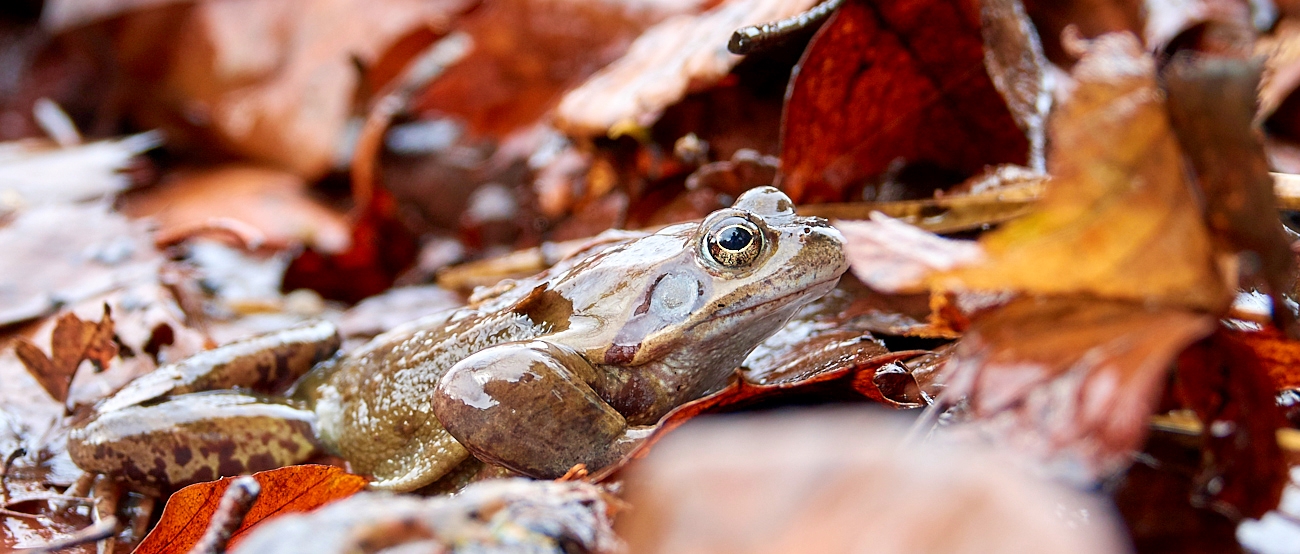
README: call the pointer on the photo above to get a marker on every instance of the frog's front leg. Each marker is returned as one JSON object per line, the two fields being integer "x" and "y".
{"x": 528, "y": 406}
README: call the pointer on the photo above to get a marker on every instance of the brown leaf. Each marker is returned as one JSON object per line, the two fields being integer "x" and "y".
{"x": 1119, "y": 219}
{"x": 63, "y": 254}
{"x": 1212, "y": 108}
{"x": 284, "y": 490}
{"x": 680, "y": 55}
{"x": 1218, "y": 26}
{"x": 891, "y": 256}
{"x": 844, "y": 481}
{"x": 1243, "y": 469}
{"x": 939, "y": 108}
{"x": 271, "y": 80}
{"x": 275, "y": 203}
{"x": 855, "y": 376}
{"x": 62, "y": 15}
{"x": 73, "y": 341}
{"x": 1069, "y": 381}
{"x": 1014, "y": 57}
{"x": 1091, "y": 18}
{"x": 527, "y": 53}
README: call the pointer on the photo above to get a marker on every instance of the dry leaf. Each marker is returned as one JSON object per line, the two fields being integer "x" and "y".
{"x": 63, "y": 254}
{"x": 284, "y": 490}
{"x": 275, "y": 203}
{"x": 869, "y": 374}
{"x": 680, "y": 55}
{"x": 527, "y": 53}
{"x": 1069, "y": 381}
{"x": 840, "y": 481}
{"x": 35, "y": 174}
{"x": 271, "y": 80}
{"x": 894, "y": 257}
{"x": 1212, "y": 105}
{"x": 1119, "y": 218}
{"x": 1278, "y": 355}
{"x": 1226, "y": 382}
{"x": 1091, "y": 18}
{"x": 1014, "y": 57}
{"x": 73, "y": 341}
{"x": 63, "y": 15}
{"x": 939, "y": 108}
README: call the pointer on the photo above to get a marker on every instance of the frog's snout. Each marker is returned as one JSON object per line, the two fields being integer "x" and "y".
{"x": 823, "y": 248}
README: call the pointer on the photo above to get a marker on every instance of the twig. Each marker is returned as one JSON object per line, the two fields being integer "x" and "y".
{"x": 94, "y": 533}
{"x": 757, "y": 37}
{"x": 239, "y": 497}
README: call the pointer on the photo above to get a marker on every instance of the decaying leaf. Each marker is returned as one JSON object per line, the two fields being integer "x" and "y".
{"x": 527, "y": 53}
{"x": 1225, "y": 381}
{"x": 271, "y": 80}
{"x": 864, "y": 375}
{"x": 1218, "y": 26}
{"x": 1212, "y": 105}
{"x": 62, "y": 254}
{"x": 276, "y": 203}
{"x": 679, "y": 55}
{"x": 35, "y": 174}
{"x": 1014, "y": 57}
{"x": 844, "y": 126}
{"x": 1278, "y": 355}
{"x": 284, "y": 490}
{"x": 1070, "y": 381}
{"x": 73, "y": 341}
{"x": 846, "y": 483}
{"x": 1091, "y": 18}
{"x": 1119, "y": 219}
{"x": 891, "y": 256}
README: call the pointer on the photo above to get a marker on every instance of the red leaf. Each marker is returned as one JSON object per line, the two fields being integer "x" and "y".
{"x": 284, "y": 490}
{"x": 1243, "y": 469}
{"x": 888, "y": 80}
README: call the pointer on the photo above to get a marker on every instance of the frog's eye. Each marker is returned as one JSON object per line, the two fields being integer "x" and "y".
{"x": 735, "y": 242}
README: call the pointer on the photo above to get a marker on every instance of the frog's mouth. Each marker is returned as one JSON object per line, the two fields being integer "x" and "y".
{"x": 794, "y": 300}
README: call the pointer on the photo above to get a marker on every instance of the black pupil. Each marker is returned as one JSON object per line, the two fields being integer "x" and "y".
{"x": 735, "y": 238}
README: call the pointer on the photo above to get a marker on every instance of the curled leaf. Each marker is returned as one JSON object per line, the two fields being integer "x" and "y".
{"x": 284, "y": 490}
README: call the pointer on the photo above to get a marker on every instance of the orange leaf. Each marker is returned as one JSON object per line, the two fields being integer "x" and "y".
{"x": 284, "y": 490}
{"x": 72, "y": 341}
{"x": 1279, "y": 356}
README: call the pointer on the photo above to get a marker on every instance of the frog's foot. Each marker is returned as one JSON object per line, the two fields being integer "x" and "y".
{"x": 193, "y": 437}
{"x": 527, "y": 406}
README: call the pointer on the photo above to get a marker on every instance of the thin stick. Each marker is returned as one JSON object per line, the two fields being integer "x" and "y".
{"x": 94, "y": 533}
{"x": 756, "y": 37}
{"x": 239, "y": 497}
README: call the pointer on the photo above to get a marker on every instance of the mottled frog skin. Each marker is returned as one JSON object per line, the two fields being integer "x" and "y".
{"x": 574, "y": 366}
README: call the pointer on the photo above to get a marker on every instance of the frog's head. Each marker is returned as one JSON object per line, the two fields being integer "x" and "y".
{"x": 736, "y": 278}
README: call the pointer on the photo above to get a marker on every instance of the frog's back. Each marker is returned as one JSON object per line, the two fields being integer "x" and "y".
{"x": 374, "y": 406}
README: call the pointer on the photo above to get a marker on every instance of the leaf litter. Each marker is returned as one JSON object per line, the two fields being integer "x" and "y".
{"x": 1117, "y": 188}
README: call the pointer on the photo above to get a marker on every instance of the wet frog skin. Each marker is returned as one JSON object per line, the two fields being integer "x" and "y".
{"x": 575, "y": 366}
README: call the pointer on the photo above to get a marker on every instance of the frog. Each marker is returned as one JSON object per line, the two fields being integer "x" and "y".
{"x": 575, "y": 366}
